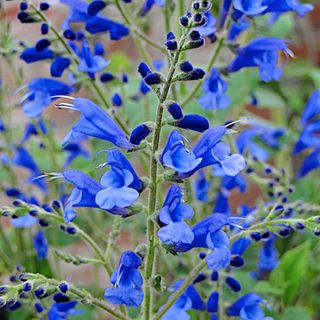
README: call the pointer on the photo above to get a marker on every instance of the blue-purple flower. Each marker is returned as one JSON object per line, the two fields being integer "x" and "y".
{"x": 62, "y": 310}
{"x": 127, "y": 282}
{"x": 148, "y": 4}
{"x": 214, "y": 89}
{"x": 173, "y": 230}
{"x": 262, "y": 53}
{"x": 40, "y": 245}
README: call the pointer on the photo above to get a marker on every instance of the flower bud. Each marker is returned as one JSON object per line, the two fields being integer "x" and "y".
{"x": 140, "y": 133}
{"x": 96, "y": 6}
{"x": 193, "y": 122}
{"x": 186, "y": 66}
{"x": 233, "y": 284}
{"x": 63, "y": 287}
{"x": 42, "y": 44}
{"x": 44, "y": 6}
{"x": 175, "y": 110}
{"x": 143, "y": 69}
{"x": 106, "y": 77}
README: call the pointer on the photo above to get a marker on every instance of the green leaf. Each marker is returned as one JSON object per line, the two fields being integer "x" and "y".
{"x": 265, "y": 287}
{"x": 295, "y": 313}
{"x": 291, "y": 272}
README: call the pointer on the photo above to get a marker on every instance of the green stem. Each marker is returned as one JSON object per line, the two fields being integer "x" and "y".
{"x": 113, "y": 236}
{"x": 208, "y": 69}
{"x": 151, "y": 228}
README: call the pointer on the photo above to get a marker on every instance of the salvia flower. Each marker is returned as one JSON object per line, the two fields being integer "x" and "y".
{"x": 190, "y": 299}
{"x": 312, "y": 108}
{"x": 311, "y": 162}
{"x": 74, "y": 150}
{"x": 30, "y": 55}
{"x": 237, "y": 28}
{"x": 264, "y": 54}
{"x": 248, "y": 307}
{"x": 41, "y": 92}
{"x": 40, "y": 244}
{"x": 209, "y": 28}
{"x": 127, "y": 282}
{"x": 62, "y": 310}
{"x": 96, "y": 123}
{"x": 174, "y": 231}
{"x": 201, "y": 187}
{"x": 268, "y": 256}
{"x": 214, "y": 89}
{"x": 148, "y": 4}
{"x": 282, "y": 6}
{"x": 121, "y": 185}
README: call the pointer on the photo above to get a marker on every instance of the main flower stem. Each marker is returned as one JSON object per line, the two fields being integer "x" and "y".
{"x": 151, "y": 228}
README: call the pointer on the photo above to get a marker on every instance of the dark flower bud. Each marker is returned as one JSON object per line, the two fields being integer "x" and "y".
{"x": 59, "y": 297}
{"x": 202, "y": 255}
{"x": 268, "y": 170}
{"x": 56, "y": 205}
{"x": 13, "y": 278}
{"x": 316, "y": 233}
{"x": 140, "y": 133}
{"x": 25, "y": 17}
{"x": 17, "y": 203}
{"x": 206, "y": 5}
{"x": 23, "y": 6}
{"x": 194, "y": 35}
{"x": 170, "y": 36}
{"x": 255, "y": 236}
{"x": 186, "y": 66}
{"x": 201, "y": 277}
{"x": 284, "y": 232}
{"x": 195, "y": 74}
{"x": 237, "y": 262}
{"x": 193, "y": 44}
{"x": 124, "y": 78}
{"x": 233, "y": 284}
{"x": 265, "y": 235}
{"x": 184, "y": 21}
{"x": 44, "y": 28}
{"x": 3, "y": 289}
{"x": 96, "y": 6}
{"x": 63, "y": 287}
{"x": 106, "y": 77}
{"x": 2, "y": 303}
{"x": 13, "y": 305}
{"x": 44, "y": 6}
{"x": 116, "y": 100}
{"x": 152, "y": 78}
{"x": 214, "y": 276}
{"x": 249, "y": 170}
{"x": 299, "y": 226}
{"x": 38, "y": 307}
{"x": 71, "y": 230}
{"x": 69, "y": 34}
{"x": 198, "y": 17}
{"x": 58, "y": 66}
{"x": 27, "y": 286}
{"x": 175, "y": 110}
{"x": 33, "y": 212}
{"x": 23, "y": 277}
{"x": 279, "y": 207}
{"x": 5, "y": 213}
{"x": 40, "y": 292}
{"x": 193, "y": 122}
{"x": 42, "y": 44}
{"x": 196, "y": 5}
{"x": 143, "y": 69}
{"x": 213, "y": 302}
{"x": 43, "y": 223}
{"x": 172, "y": 45}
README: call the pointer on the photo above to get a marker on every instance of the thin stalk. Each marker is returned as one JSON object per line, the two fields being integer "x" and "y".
{"x": 113, "y": 236}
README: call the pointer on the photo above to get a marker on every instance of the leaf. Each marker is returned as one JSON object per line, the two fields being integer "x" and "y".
{"x": 295, "y": 313}
{"x": 291, "y": 272}
{"x": 265, "y": 287}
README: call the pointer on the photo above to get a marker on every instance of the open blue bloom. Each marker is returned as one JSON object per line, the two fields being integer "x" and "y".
{"x": 268, "y": 256}
{"x": 311, "y": 162}
{"x": 225, "y": 8}
{"x": 148, "y": 4}
{"x": 209, "y": 28}
{"x": 23, "y": 158}
{"x": 312, "y": 108}
{"x": 248, "y": 307}
{"x": 30, "y": 55}
{"x": 89, "y": 62}
{"x": 127, "y": 282}
{"x": 78, "y": 12}
{"x": 99, "y": 24}
{"x": 83, "y": 195}
{"x": 280, "y": 6}
{"x": 309, "y": 137}
{"x": 237, "y": 28}
{"x": 121, "y": 185}
{"x": 201, "y": 187}
{"x": 214, "y": 89}
{"x": 190, "y": 299}
{"x": 74, "y": 150}
{"x": 174, "y": 231}
{"x": 62, "y": 310}
{"x": 41, "y": 245}
{"x": 31, "y": 129}
{"x": 96, "y": 123}
{"x": 249, "y": 140}
{"x": 264, "y": 54}
{"x": 40, "y": 91}
{"x": 176, "y": 156}
{"x": 251, "y": 7}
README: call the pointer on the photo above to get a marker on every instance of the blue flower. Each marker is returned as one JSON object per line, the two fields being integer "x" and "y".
{"x": 264, "y": 54}
{"x": 176, "y": 156}
{"x": 148, "y": 4}
{"x": 23, "y": 158}
{"x": 209, "y": 28}
{"x": 74, "y": 150}
{"x": 91, "y": 63}
{"x": 201, "y": 187}
{"x": 78, "y": 12}
{"x": 41, "y": 245}
{"x": 237, "y": 28}
{"x": 189, "y": 299}
{"x": 121, "y": 185}
{"x": 30, "y": 55}
{"x": 96, "y": 123}
{"x": 83, "y": 195}
{"x": 311, "y": 162}
{"x": 280, "y": 6}
{"x": 309, "y": 137}
{"x": 248, "y": 307}
{"x": 31, "y": 130}
{"x": 251, "y": 7}
{"x": 40, "y": 91}
{"x": 312, "y": 108}
{"x": 102, "y": 24}
{"x": 268, "y": 256}
{"x": 127, "y": 282}
{"x": 58, "y": 66}
{"x": 174, "y": 231}
{"x": 225, "y": 8}
{"x": 214, "y": 89}
{"x": 62, "y": 310}
{"x": 268, "y": 136}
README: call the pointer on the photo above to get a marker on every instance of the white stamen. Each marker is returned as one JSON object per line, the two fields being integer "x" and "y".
{"x": 66, "y": 106}
{"x": 62, "y": 96}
